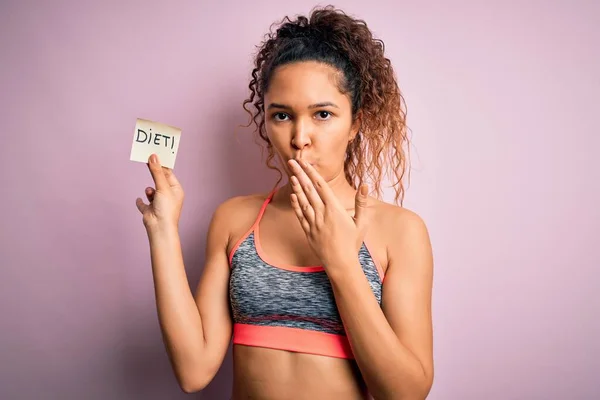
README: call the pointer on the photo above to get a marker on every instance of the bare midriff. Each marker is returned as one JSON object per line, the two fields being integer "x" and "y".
{"x": 267, "y": 374}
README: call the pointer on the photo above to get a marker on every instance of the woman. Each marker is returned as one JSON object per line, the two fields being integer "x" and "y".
{"x": 325, "y": 290}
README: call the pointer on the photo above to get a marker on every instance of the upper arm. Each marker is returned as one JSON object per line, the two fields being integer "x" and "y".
{"x": 408, "y": 288}
{"x": 212, "y": 293}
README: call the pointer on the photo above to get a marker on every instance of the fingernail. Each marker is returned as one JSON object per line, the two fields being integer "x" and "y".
{"x": 363, "y": 190}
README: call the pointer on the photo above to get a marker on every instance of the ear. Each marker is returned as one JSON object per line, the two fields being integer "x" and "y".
{"x": 356, "y": 124}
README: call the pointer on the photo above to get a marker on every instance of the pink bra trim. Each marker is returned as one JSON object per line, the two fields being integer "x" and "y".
{"x": 296, "y": 268}
{"x": 292, "y": 339}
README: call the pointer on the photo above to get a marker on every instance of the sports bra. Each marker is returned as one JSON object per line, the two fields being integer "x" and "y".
{"x": 288, "y": 307}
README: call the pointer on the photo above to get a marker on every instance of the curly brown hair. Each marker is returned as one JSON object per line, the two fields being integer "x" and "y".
{"x": 331, "y": 36}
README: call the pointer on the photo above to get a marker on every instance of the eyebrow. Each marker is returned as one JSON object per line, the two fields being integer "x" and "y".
{"x": 317, "y": 105}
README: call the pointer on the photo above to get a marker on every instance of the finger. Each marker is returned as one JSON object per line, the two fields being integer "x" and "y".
{"x": 321, "y": 187}
{"x": 298, "y": 211}
{"x": 158, "y": 175}
{"x": 150, "y": 194}
{"x": 141, "y": 206}
{"x": 308, "y": 186}
{"x": 360, "y": 206}
{"x": 171, "y": 178}
{"x": 303, "y": 203}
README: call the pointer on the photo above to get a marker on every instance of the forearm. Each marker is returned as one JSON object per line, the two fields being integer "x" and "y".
{"x": 178, "y": 315}
{"x": 389, "y": 368}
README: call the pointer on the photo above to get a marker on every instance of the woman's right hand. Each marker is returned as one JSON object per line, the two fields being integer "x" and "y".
{"x": 166, "y": 200}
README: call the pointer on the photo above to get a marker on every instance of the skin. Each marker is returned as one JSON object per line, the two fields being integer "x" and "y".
{"x": 317, "y": 218}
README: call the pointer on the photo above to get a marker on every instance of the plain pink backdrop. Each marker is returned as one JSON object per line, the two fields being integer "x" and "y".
{"x": 503, "y": 106}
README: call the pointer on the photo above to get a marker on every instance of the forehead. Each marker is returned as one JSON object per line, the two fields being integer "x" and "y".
{"x": 303, "y": 83}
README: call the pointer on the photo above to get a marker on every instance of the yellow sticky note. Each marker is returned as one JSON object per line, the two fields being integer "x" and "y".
{"x": 152, "y": 137}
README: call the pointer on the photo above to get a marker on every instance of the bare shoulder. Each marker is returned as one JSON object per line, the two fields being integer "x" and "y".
{"x": 239, "y": 206}
{"x": 399, "y": 222}
{"x": 402, "y": 231}
{"x": 237, "y": 214}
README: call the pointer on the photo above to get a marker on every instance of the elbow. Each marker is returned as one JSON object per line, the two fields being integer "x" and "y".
{"x": 418, "y": 390}
{"x": 422, "y": 384}
{"x": 426, "y": 388}
{"x": 194, "y": 383}
{"x": 423, "y": 388}
{"x": 195, "y": 374}
{"x": 428, "y": 383}
{"x": 189, "y": 389}
{"x": 192, "y": 386}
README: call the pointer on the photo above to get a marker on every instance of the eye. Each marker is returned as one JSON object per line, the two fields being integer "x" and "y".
{"x": 279, "y": 116}
{"x": 323, "y": 115}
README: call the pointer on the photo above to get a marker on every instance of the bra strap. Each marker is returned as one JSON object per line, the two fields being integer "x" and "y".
{"x": 254, "y": 225}
{"x": 264, "y": 207}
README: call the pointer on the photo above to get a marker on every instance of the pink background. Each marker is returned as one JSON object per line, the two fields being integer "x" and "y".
{"x": 503, "y": 106}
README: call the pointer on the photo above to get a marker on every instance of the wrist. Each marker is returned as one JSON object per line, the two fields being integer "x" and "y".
{"x": 341, "y": 266}
{"x": 162, "y": 230}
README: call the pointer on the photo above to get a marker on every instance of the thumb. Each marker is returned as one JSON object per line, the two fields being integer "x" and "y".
{"x": 157, "y": 172}
{"x": 360, "y": 211}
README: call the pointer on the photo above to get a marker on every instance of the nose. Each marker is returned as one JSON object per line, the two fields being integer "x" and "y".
{"x": 301, "y": 135}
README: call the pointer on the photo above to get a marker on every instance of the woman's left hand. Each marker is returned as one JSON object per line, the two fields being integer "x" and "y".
{"x": 334, "y": 236}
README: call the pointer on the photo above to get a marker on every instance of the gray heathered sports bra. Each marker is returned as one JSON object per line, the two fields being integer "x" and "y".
{"x": 287, "y": 307}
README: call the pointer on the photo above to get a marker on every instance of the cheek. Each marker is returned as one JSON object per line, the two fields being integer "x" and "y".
{"x": 335, "y": 141}
{"x": 277, "y": 140}
{"x": 275, "y": 135}
{"x": 280, "y": 145}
